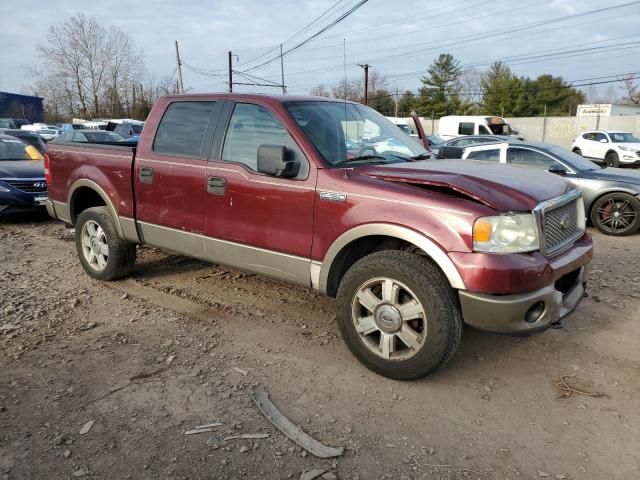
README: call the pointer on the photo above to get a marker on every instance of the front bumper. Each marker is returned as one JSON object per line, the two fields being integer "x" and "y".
{"x": 525, "y": 312}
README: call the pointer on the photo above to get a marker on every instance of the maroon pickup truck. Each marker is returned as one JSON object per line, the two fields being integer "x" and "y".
{"x": 330, "y": 195}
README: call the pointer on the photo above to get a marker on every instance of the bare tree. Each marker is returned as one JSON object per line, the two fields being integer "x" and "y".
{"x": 87, "y": 65}
{"x": 633, "y": 91}
{"x": 349, "y": 89}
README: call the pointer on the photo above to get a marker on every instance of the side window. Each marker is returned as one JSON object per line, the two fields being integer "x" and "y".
{"x": 492, "y": 155}
{"x": 482, "y": 130}
{"x": 463, "y": 142}
{"x": 531, "y": 158}
{"x": 251, "y": 126}
{"x": 600, "y": 136}
{"x": 182, "y": 129}
{"x": 466, "y": 128}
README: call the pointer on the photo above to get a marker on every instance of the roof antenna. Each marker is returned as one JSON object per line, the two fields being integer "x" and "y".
{"x": 344, "y": 56}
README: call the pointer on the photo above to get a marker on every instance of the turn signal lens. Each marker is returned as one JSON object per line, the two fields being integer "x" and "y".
{"x": 482, "y": 231}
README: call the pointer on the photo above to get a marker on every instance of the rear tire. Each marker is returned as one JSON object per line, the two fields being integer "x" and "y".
{"x": 102, "y": 253}
{"x": 398, "y": 315}
{"x": 616, "y": 214}
{"x": 611, "y": 159}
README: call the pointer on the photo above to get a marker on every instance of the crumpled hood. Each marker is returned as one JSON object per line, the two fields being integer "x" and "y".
{"x": 499, "y": 186}
{"x": 21, "y": 169}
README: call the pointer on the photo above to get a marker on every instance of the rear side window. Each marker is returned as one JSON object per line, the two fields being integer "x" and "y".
{"x": 486, "y": 155}
{"x": 182, "y": 129}
{"x": 466, "y": 128}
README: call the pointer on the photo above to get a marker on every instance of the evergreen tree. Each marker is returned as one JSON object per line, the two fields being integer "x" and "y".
{"x": 440, "y": 94}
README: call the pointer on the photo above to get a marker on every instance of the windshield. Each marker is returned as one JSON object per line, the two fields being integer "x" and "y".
{"x": 137, "y": 129}
{"x": 14, "y": 149}
{"x": 623, "y": 137}
{"x": 574, "y": 160}
{"x": 351, "y": 133}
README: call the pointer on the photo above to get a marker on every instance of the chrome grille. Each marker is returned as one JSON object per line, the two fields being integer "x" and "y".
{"x": 35, "y": 186}
{"x": 559, "y": 222}
{"x": 560, "y": 225}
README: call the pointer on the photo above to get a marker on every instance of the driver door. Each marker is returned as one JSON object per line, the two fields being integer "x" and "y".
{"x": 256, "y": 221}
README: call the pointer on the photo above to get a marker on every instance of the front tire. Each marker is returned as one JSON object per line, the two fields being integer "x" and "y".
{"x": 616, "y": 214}
{"x": 102, "y": 253}
{"x": 398, "y": 315}
{"x": 612, "y": 160}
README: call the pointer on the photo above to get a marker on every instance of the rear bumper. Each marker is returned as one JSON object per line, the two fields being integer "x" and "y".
{"x": 525, "y": 312}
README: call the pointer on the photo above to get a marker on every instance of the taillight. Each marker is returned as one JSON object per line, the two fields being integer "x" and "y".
{"x": 47, "y": 169}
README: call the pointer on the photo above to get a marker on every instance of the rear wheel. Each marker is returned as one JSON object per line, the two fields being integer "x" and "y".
{"x": 611, "y": 159}
{"x": 103, "y": 254}
{"x": 616, "y": 214}
{"x": 398, "y": 315}
{"x": 577, "y": 151}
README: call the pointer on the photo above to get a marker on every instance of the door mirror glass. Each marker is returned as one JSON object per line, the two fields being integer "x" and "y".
{"x": 272, "y": 160}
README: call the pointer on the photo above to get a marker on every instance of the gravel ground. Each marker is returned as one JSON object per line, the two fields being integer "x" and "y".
{"x": 182, "y": 343}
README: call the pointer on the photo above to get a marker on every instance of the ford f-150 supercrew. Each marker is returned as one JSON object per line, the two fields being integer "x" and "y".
{"x": 331, "y": 195}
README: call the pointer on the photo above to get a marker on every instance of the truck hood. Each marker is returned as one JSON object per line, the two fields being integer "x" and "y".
{"x": 634, "y": 146}
{"x": 499, "y": 186}
{"x": 21, "y": 169}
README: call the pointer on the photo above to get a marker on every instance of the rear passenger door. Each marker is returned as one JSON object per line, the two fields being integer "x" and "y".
{"x": 256, "y": 221}
{"x": 170, "y": 177}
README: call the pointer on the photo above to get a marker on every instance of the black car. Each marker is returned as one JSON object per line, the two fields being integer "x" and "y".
{"x": 32, "y": 138}
{"x": 22, "y": 183}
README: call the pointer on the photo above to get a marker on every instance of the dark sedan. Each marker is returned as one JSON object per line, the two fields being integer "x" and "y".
{"x": 468, "y": 140}
{"x": 89, "y": 136}
{"x": 611, "y": 195}
{"x": 22, "y": 184}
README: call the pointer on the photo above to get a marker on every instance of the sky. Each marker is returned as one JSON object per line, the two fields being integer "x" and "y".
{"x": 398, "y": 39}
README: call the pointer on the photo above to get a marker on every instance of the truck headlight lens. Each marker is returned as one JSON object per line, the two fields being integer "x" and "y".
{"x": 512, "y": 233}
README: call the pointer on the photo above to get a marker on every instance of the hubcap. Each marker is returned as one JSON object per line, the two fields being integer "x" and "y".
{"x": 389, "y": 319}
{"x": 94, "y": 245}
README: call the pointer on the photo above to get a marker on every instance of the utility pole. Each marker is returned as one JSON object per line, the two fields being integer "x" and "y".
{"x": 180, "y": 84}
{"x": 230, "y": 73}
{"x": 284, "y": 89}
{"x": 396, "y": 116}
{"x": 366, "y": 82}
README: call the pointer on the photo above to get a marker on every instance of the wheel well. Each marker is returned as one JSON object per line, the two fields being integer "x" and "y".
{"x": 360, "y": 248}
{"x": 611, "y": 151}
{"x": 83, "y": 198}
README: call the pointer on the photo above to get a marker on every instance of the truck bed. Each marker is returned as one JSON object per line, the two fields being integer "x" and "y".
{"x": 108, "y": 166}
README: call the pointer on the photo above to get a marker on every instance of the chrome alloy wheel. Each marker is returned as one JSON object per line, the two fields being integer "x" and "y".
{"x": 94, "y": 245}
{"x": 389, "y": 319}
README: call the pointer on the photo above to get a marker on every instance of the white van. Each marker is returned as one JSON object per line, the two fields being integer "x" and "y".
{"x": 459, "y": 125}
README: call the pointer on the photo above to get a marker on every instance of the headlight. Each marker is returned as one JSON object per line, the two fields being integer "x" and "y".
{"x": 511, "y": 233}
{"x": 626, "y": 149}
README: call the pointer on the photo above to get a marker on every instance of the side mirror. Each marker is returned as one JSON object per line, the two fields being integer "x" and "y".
{"x": 558, "y": 170}
{"x": 272, "y": 160}
{"x": 604, "y": 140}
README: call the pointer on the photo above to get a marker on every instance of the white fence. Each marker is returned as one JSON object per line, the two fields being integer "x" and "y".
{"x": 559, "y": 131}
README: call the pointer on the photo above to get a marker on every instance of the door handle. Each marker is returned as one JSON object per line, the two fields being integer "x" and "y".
{"x": 216, "y": 185}
{"x": 145, "y": 175}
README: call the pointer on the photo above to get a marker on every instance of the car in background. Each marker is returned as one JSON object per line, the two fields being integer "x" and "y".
{"x": 129, "y": 130}
{"x": 22, "y": 183}
{"x": 8, "y": 123}
{"x": 89, "y": 136}
{"x": 47, "y": 132}
{"x": 611, "y": 195}
{"x": 32, "y": 138}
{"x": 70, "y": 127}
{"x": 615, "y": 149}
{"x": 468, "y": 140}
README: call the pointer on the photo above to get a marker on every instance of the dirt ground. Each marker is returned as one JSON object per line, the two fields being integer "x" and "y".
{"x": 183, "y": 343}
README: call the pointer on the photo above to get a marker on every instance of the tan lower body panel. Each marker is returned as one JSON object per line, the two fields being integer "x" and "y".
{"x": 266, "y": 262}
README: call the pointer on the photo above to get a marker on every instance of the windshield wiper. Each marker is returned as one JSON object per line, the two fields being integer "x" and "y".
{"x": 362, "y": 158}
{"x": 421, "y": 156}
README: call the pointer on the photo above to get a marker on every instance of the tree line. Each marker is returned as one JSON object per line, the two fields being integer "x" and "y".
{"x": 90, "y": 71}
{"x": 448, "y": 89}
